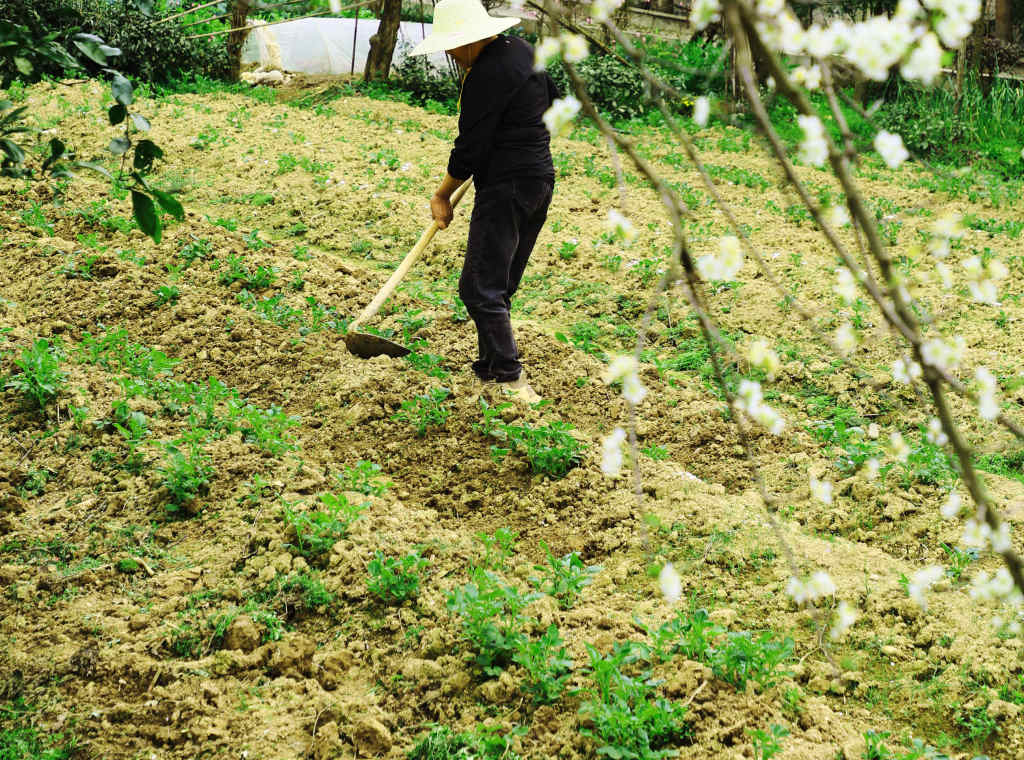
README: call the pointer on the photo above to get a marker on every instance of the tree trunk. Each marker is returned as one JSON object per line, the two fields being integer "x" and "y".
{"x": 1004, "y": 20}
{"x": 239, "y": 16}
{"x": 382, "y": 44}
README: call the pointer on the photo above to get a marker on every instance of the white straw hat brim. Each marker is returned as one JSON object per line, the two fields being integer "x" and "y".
{"x": 435, "y": 43}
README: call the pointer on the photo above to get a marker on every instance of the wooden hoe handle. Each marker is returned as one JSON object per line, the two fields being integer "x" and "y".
{"x": 406, "y": 264}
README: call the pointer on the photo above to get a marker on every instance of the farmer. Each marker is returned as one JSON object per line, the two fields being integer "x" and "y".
{"x": 505, "y": 147}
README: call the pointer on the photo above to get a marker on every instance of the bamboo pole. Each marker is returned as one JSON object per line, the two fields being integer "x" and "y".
{"x": 204, "y": 20}
{"x": 190, "y": 10}
{"x": 273, "y": 23}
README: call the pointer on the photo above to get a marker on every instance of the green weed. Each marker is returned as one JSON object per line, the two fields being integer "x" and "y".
{"x": 564, "y": 577}
{"x": 425, "y": 411}
{"x": 185, "y": 477}
{"x": 444, "y": 744}
{"x": 547, "y": 666}
{"x": 41, "y": 378}
{"x": 395, "y": 580}
{"x": 316, "y": 531}
{"x": 365, "y": 478}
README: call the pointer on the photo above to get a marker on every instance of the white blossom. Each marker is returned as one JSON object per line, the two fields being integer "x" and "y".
{"x": 621, "y": 227}
{"x": 905, "y": 371}
{"x": 546, "y": 49}
{"x": 890, "y": 148}
{"x": 701, "y": 111}
{"x": 770, "y": 7}
{"x": 821, "y": 490}
{"x": 945, "y": 275}
{"x": 925, "y": 62}
{"x": 814, "y": 148}
{"x": 819, "y": 42}
{"x": 611, "y": 452}
{"x": 922, "y": 581}
{"x": 763, "y": 356}
{"x": 1002, "y": 538}
{"x": 837, "y": 216}
{"x": 988, "y": 405}
{"x": 704, "y": 12}
{"x": 846, "y": 616}
{"x": 670, "y": 582}
{"x": 952, "y": 506}
{"x": 935, "y": 432}
{"x": 820, "y": 585}
{"x": 943, "y": 354}
{"x": 898, "y": 446}
{"x": 632, "y": 389}
{"x": 620, "y": 367}
{"x": 873, "y": 467}
{"x": 976, "y": 534}
{"x": 846, "y": 285}
{"x": 574, "y": 47}
{"x": 601, "y": 10}
{"x": 559, "y": 116}
{"x": 724, "y": 265}
{"x": 845, "y": 339}
{"x": 808, "y": 76}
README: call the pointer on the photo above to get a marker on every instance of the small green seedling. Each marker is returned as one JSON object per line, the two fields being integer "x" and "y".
{"x": 395, "y": 580}
{"x": 167, "y": 294}
{"x": 317, "y": 531}
{"x": 365, "y": 478}
{"x": 185, "y": 476}
{"x": 564, "y": 577}
{"x": 41, "y": 378}
{"x": 766, "y": 743}
{"x": 425, "y": 411}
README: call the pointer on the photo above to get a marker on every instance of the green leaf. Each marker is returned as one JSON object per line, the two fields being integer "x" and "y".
{"x": 57, "y": 151}
{"x": 94, "y": 167}
{"x": 146, "y": 152}
{"x": 122, "y": 90}
{"x": 94, "y": 47}
{"x": 145, "y": 7}
{"x": 23, "y": 64}
{"x": 169, "y": 203}
{"x": 117, "y": 114}
{"x": 13, "y": 150}
{"x": 146, "y": 216}
{"x": 141, "y": 122}
{"x": 119, "y": 146}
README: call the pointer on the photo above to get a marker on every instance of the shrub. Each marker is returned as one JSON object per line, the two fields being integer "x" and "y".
{"x": 423, "y": 82}
{"x": 153, "y": 52}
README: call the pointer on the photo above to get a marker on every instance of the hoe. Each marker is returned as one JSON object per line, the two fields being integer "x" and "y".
{"x": 365, "y": 345}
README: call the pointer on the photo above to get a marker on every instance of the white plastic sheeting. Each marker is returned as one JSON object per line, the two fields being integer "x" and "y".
{"x": 324, "y": 45}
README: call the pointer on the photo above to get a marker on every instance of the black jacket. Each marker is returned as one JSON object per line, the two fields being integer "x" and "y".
{"x": 501, "y": 128}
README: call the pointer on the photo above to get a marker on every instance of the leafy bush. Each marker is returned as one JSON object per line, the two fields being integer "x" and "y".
{"x": 492, "y": 619}
{"x": 41, "y": 378}
{"x": 547, "y": 666}
{"x": 564, "y": 577}
{"x": 423, "y": 82}
{"x": 185, "y": 477}
{"x": 317, "y": 531}
{"x": 628, "y": 720}
{"x": 550, "y": 449}
{"x": 616, "y": 89}
{"x": 154, "y": 52}
{"x": 395, "y": 580}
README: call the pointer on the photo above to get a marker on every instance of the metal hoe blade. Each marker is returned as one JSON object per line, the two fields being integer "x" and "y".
{"x": 367, "y": 346}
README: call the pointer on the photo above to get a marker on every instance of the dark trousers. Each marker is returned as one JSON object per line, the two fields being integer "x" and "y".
{"x": 507, "y": 217}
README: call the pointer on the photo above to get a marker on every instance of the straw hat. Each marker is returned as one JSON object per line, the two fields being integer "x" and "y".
{"x": 460, "y": 22}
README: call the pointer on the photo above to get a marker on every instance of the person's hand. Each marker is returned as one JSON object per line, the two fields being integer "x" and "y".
{"x": 441, "y": 208}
